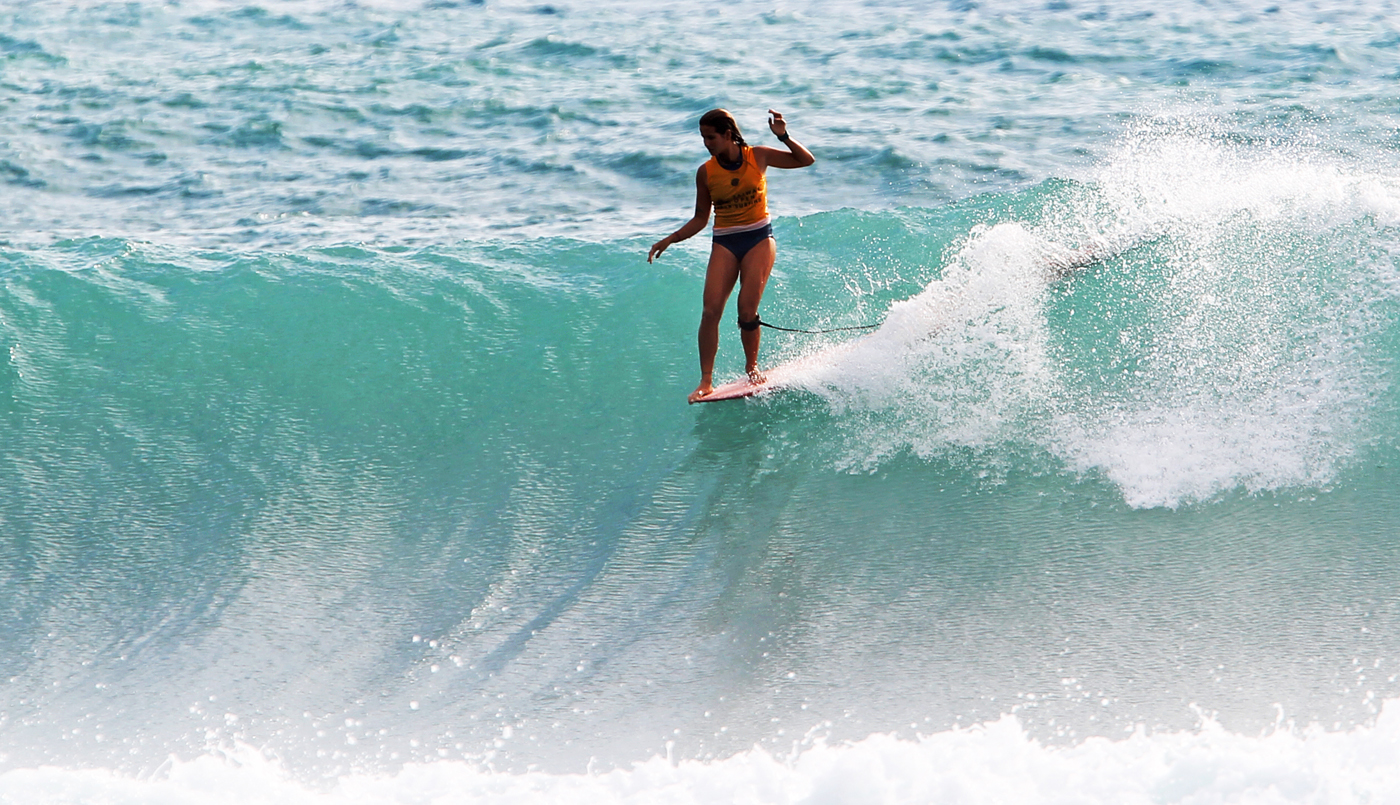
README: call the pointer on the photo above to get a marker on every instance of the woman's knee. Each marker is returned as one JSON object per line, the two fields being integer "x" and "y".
{"x": 711, "y": 313}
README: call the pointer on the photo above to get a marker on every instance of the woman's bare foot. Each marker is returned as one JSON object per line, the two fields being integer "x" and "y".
{"x": 757, "y": 378}
{"x": 705, "y": 389}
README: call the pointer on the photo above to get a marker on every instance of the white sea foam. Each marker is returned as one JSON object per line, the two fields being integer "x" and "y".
{"x": 1242, "y": 329}
{"x": 1261, "y": 371}
{"x": 995, "y": 762}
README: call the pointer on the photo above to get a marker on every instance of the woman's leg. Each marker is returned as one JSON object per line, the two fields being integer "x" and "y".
{"x": 720, "y": 277}
{"x": 753, "y": 277}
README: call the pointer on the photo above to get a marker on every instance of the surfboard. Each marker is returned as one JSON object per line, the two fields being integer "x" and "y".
{"x": 779, "y": 377}
{"x": 736, "y": 390}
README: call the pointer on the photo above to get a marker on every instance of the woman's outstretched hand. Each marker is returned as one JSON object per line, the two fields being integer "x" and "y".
{"x": 657, "y": 248}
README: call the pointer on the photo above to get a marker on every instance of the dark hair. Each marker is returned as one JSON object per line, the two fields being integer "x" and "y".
{"x": 721, "y": 121}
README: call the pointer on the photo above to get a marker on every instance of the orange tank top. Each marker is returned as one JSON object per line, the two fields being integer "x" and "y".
{"x": 740, "y": 196}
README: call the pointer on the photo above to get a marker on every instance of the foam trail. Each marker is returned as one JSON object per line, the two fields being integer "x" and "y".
{"x": 936, "y": 357}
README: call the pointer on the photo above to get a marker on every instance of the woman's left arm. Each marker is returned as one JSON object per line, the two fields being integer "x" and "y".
{"x": 796, "y": 156}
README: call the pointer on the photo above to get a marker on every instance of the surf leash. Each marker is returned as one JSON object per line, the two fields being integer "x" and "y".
{"x": 763, "y": 323}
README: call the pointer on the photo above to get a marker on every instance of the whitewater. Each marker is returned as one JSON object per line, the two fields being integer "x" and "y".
{"x": 344, "y": 452}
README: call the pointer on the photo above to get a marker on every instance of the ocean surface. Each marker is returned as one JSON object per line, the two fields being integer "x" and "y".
{"x": 344, "y": 452}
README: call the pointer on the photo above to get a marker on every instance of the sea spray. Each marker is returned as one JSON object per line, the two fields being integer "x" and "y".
{"x": 1219, "y": 332}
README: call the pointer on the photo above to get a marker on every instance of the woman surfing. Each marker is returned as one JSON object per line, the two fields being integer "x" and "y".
{"x": 733, "y": 183}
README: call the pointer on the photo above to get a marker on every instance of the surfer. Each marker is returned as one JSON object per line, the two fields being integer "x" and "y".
{"x": 733, "y": 183}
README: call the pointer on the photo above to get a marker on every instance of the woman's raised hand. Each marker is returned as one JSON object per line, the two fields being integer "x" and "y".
{"x": 776, "y": 124}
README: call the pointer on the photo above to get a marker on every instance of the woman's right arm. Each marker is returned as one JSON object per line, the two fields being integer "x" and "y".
{"x": 692, "y": 227}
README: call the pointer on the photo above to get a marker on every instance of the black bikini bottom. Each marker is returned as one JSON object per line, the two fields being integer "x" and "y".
{"x": 739, "y": 243}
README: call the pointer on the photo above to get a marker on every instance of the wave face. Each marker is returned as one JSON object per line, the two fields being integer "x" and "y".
{"x": 344, "y": 458}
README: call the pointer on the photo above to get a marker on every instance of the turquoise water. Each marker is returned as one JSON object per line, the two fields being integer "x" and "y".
{"x": 345, "y": 458}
